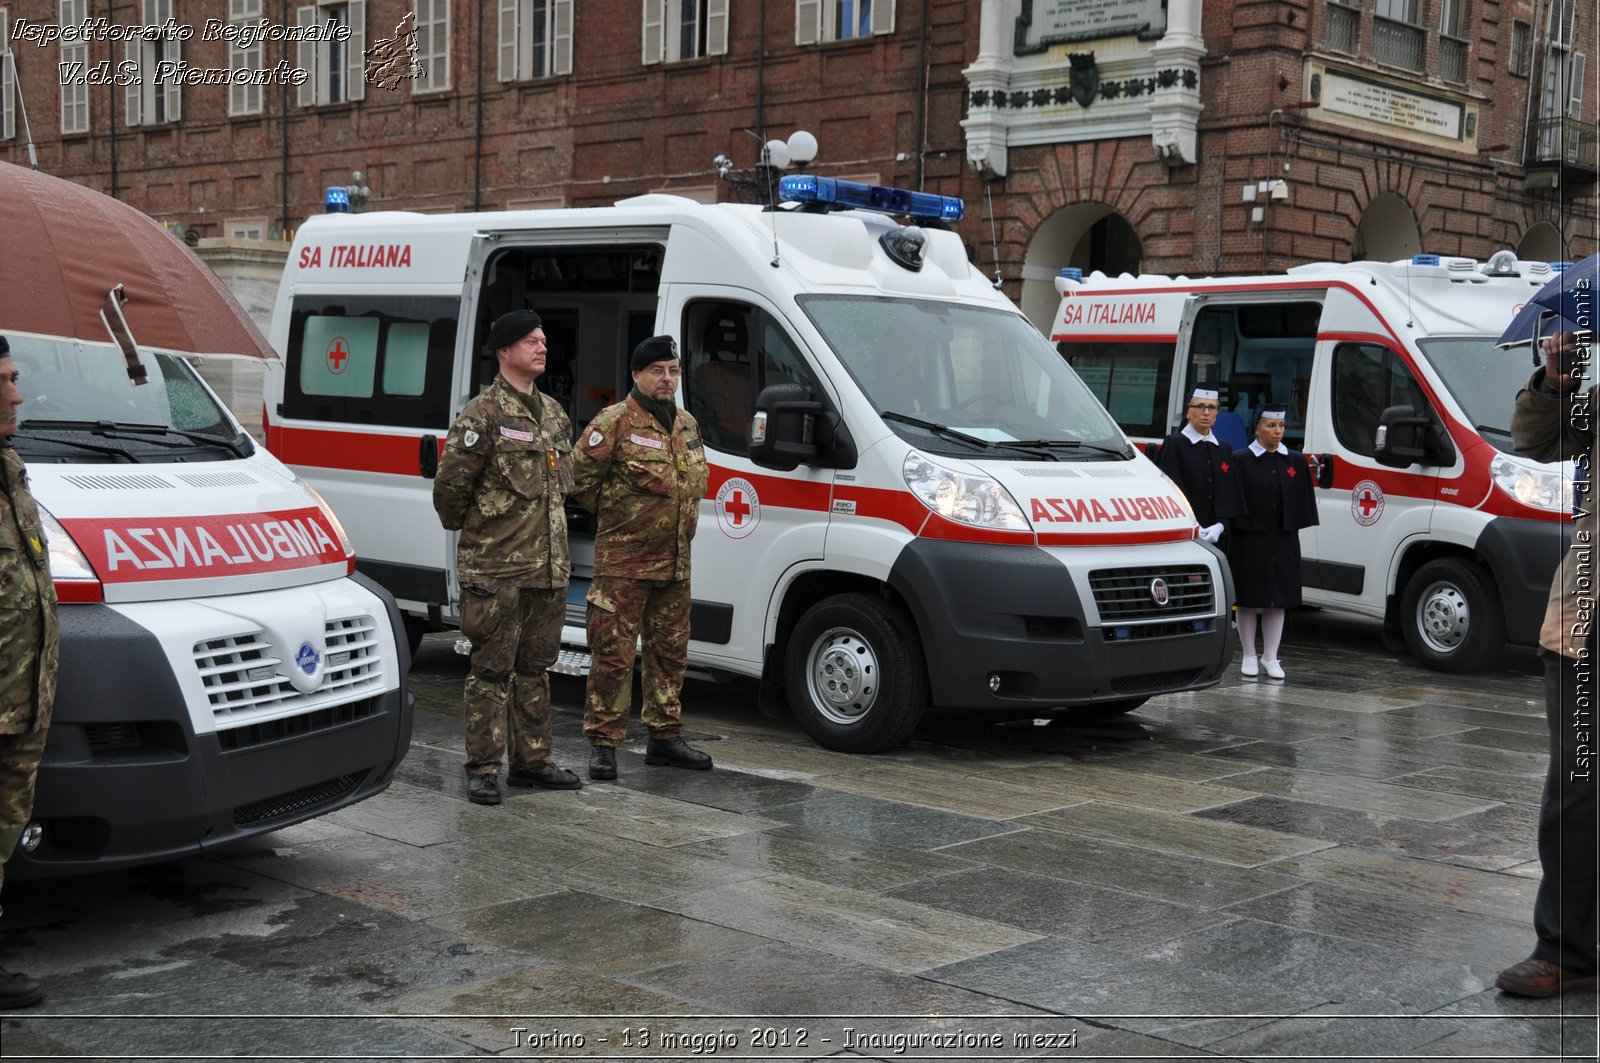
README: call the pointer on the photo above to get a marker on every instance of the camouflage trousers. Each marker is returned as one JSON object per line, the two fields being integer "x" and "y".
{"x": 622, "y": 611}
{"x": 19, "y": 767}
{"x": 515, "y": 634}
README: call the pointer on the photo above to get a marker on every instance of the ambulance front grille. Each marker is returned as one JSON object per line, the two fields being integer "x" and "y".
{"x": 245, "y": 681}
{"x": 1125, "y": 594}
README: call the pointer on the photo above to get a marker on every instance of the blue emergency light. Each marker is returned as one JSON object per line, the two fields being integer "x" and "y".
{"x": 1560, "y": 267}
{"x": 809, "y": 188}
{"x": 1072, "y": 273}
{"x": 337, "y": 201}
{"x": 1424, "y": 260}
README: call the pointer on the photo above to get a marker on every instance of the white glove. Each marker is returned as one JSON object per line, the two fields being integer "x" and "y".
{"x": 1213, "y": 533}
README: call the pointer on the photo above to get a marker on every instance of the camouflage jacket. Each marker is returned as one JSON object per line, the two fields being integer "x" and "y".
{"x": 1549, "y": 428}
{"x": 503, "y": 482}
{"x": 29, "y": 636}
{"x": 644, "y": 485}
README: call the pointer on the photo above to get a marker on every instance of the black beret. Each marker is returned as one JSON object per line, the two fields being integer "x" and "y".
{"x": 509, "y": 328}
{"x": 654, "y": 349}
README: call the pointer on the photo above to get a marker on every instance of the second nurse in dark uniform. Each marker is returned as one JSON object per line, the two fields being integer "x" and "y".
{"x": 1264, "y": 542}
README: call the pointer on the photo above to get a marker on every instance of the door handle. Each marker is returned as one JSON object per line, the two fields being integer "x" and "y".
{"x": 1323, "y": 469}
{"x": 428, "y": 457}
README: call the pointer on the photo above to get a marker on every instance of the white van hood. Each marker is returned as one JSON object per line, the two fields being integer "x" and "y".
{"x": 1104, "y": 502}
{"x": 164, "y": 531}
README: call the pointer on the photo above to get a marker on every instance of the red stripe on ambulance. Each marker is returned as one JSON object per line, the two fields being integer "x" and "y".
{"x": 139, "y": 549}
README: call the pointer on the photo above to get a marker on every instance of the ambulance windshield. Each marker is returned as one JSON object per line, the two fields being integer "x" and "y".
{"x": 1483, "y": 378}
{"x": 78, "y": 403}
{"x": 961, "y": 379}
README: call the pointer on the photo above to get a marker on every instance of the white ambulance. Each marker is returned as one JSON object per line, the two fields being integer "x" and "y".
{"x": 224, "y": 670}
{"x": 1397, "y": 394}
{"x": 912, "y": 501}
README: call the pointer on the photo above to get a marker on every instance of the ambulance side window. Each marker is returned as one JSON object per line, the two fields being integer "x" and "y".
{"x": 731, "y": 352}
{"x": 1367, "y": 379}
{"x": 1131, "y": 380}
{"x": 370, "y": 360}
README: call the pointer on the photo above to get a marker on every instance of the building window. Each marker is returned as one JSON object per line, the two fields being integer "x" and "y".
{"x": 535, "y": 39}
{"x": 1452, "y": 48}
{"x": 244, "y": 99}
{"x": 839, "y": 20}
{"x": 1397, "y": 38}
{"x": 334, "y": 61}
{"x": 246, "y": 229}
{"x": 157, "y": 97}
{"x": 1521, "y": 48}
{"x": 74, "y": 71}
{"x": 8, "y": 81}
{"x": 433, "y": 45}
{"x": 684, "y": 29}
{"x": 1344, "y": 27}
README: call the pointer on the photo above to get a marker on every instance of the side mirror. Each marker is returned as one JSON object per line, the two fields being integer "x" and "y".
{"x": 1406, "y": 437}
{"x": 790, "y": 428}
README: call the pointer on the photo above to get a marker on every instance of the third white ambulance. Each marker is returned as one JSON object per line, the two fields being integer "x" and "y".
{"x": 913, "y": 502}
{"x": 1396, "y": 391}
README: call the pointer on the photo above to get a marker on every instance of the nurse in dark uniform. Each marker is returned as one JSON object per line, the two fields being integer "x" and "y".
{"x": 1264, "y": 542}
{"x": 1204, "y": 468}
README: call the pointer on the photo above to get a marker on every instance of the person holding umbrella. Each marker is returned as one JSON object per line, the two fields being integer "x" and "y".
{"x": 1553, "y": 420}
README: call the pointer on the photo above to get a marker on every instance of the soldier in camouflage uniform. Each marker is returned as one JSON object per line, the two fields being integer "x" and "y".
{"x": 29, "y": 641}
{"x": 502, "y": 481}
{"x": 641, "y": 468}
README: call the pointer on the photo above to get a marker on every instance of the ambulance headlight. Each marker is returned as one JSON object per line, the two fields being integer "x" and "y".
{"x": 66, "y": 560}
{"x": 327, "y": 511}
{"x": 967, "y": 499}
{"x": 1535, "y": 486}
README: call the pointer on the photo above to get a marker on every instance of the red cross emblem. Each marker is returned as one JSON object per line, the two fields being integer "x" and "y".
{"x": 1366, "y": 503}
{"x": 338, "y": 355}
{"x": 1290, "y": 470}
{"x": 737, "y": 508}
{"x": 1223, "y": 466}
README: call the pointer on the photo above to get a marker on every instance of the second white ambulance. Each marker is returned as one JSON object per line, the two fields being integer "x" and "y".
{"x": 913, "y": 502}
{"x": 1395, "y": 390}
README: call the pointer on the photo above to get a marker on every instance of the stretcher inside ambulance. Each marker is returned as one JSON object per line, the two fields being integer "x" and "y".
{"x": 1398, "y": 395}
{"x": 913, "y": 503}
{"x": 223, "y": 669}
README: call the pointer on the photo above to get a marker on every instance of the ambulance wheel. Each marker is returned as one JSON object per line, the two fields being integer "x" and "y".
{"x": 855, "y": 676}
{"x": 1450, "y": 618}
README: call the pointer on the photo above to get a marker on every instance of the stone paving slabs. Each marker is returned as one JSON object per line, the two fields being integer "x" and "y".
{"x": 835, "y": 859}
{"x": 595, "y": 933}
{"x": 1338, "y": 755}
{"x": 636, "y": 816}
{"x": 1528, "y": 718}
{"x": 1202, "y": 884}
{"x": 1523, "y": 788}
{"x": 1479, "y": 940}
{"x": 1368, "y": 830}
{"x": 1454, "y": 750}
{"x": 1191, "y": 835}
{"x": 647, "y": 877}
{"x": 1506, "y": 821}
{"x": 893, "y": 934}
{"x": 729, "y": 789}
{"x": 1361, "y": 795}
{"x": 1333, "y": 1038}
{"x": 1055, "y": 907}
{"x": 890, "y": 822}
{"x": 1465, "y": 889}
{"x": 1093, "y": 782}
{"x": 998, "y": 794}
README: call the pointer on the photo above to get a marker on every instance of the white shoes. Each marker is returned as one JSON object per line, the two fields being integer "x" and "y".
{"x": 1274, "y": 669}
{"x": 1247, "y": 668}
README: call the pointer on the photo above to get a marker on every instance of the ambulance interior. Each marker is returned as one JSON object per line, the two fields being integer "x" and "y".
{"x": 1253, "y": 354}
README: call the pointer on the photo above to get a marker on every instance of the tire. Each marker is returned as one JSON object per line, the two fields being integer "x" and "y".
{"x": 1451, "y": 617}
{"x": 416, "y": 627}
{"x": 854, "y": 674}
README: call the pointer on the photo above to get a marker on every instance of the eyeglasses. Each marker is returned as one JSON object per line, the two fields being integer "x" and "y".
{"x": 658, "y": 371}
{"x": 1203, "y": 407}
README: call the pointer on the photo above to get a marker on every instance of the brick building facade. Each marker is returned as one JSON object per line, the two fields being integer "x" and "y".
{"x": 1122, "y": 134}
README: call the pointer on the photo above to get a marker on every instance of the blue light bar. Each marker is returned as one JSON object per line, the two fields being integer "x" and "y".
{"x": 809, "y": 188}
{"x": 1072, "y": 273}
{"x": 336, "y": 201}
{"x": 1424, "y": 260}
{"x": 1560, "y": 267}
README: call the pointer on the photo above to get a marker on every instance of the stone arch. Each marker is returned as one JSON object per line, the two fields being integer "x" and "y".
{"x": 1090, "y": 236}
{"x": 1542, "y": 243}
{"x": 1388, "y": 230}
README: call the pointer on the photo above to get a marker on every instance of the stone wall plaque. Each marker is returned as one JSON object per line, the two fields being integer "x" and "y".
{"x": 1043, "y": 23}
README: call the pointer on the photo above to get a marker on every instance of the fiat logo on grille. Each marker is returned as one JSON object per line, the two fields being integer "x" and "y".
{"x": 1158, "y": 591}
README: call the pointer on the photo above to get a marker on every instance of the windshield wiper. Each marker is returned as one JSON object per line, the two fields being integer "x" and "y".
{"x": 936, "y": 429}
{"x": 25, "y": 428}
{"x": 1072, "y": 444}
{"x": 111, "y": 429}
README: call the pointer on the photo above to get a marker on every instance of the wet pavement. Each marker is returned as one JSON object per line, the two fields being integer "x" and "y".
{"x": 1333, "y": 867}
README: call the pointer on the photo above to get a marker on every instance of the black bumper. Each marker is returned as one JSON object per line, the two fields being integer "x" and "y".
{"x": 1017, "y": 612}
{"x": 125, "y": 780}
{"x": 1523, "y": 555}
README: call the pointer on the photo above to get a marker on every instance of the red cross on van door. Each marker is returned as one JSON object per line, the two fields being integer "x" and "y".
{"x": 338, "y": 355}
{"x": 737, "y": 508}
